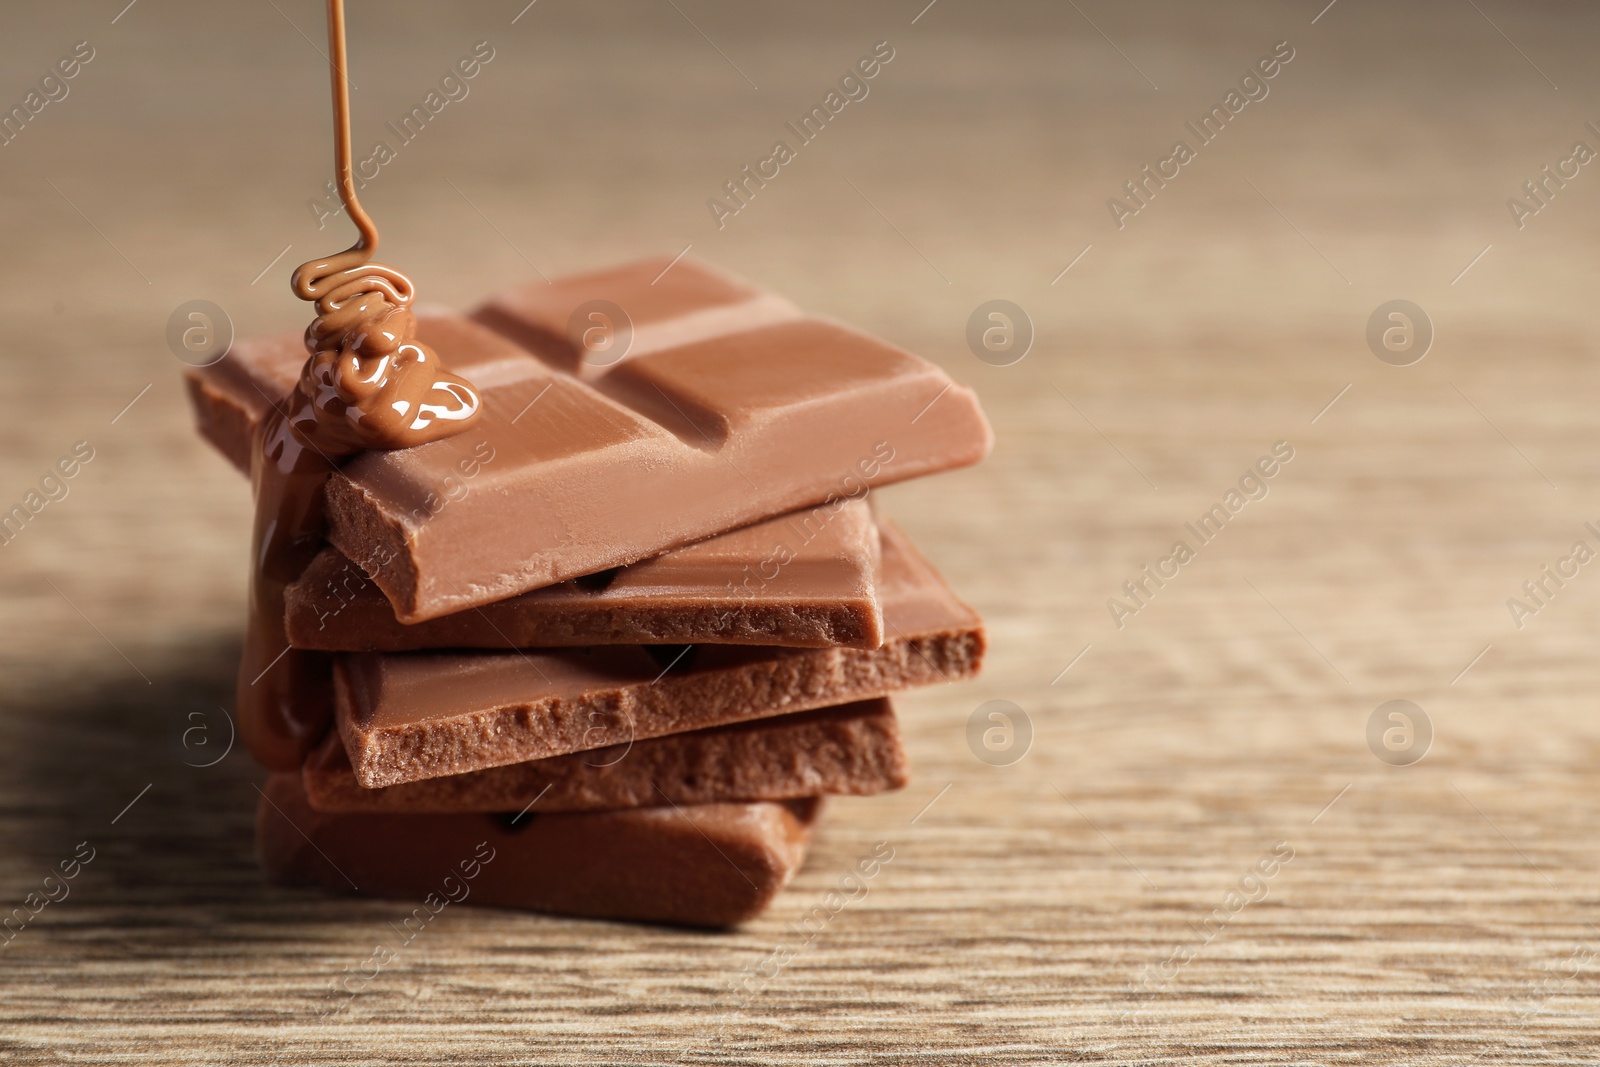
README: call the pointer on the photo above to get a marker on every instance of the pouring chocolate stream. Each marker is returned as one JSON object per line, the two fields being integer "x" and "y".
{"x": 368, "y": 384}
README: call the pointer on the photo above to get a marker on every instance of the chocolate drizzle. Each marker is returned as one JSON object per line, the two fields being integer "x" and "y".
{"x": 369, "y": 384}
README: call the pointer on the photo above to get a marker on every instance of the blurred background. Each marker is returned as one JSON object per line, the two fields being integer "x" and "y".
{"x": 1049, "y": 901}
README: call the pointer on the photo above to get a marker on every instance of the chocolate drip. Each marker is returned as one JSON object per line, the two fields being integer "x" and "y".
{"x": 283, "y": 698}
{"x": 369, "y": 384}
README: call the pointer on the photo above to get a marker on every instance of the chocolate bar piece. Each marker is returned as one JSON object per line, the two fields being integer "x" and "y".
{"x": 803, "y": 580}
{"x": 409, "y": 716}
{"x": 851, "y": 750}
{"x": 564, "y": 477}
{"x": 575, "y": 323}
{"x": 705, "y": 865}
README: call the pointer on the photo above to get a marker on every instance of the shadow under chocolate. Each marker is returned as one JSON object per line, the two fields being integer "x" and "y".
{"x": 151, "y": 775}
{"x": 145, "y": 774}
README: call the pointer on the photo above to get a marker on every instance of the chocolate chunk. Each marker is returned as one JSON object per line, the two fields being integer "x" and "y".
{"x": 805, "y": 580}
{"x": 852, "y": 750}
{"x": 700, "y": 865}
{"x": 564, "y": 477}
{"x": 405, "y": 717}
{"x": 576, "y": 323}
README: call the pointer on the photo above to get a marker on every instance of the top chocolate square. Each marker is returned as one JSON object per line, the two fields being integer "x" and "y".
{"x": 578, "y": 324}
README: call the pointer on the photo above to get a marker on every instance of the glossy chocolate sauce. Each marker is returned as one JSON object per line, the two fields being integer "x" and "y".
{"x": 369, "y": 384}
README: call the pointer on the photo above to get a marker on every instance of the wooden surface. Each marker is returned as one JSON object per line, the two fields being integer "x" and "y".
{"x": 1063, "y": 908}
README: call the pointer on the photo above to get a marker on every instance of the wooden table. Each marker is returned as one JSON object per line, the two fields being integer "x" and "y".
{"x": 1094, "y": 899}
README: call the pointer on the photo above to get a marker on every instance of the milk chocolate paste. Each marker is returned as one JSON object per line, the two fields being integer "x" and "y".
{"x": 369, "y": 384}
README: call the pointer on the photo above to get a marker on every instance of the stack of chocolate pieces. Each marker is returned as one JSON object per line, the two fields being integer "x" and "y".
{"x": 608, "y": 649}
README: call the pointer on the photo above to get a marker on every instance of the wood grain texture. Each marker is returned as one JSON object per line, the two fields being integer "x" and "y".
{"x": 1069, "y": 907}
